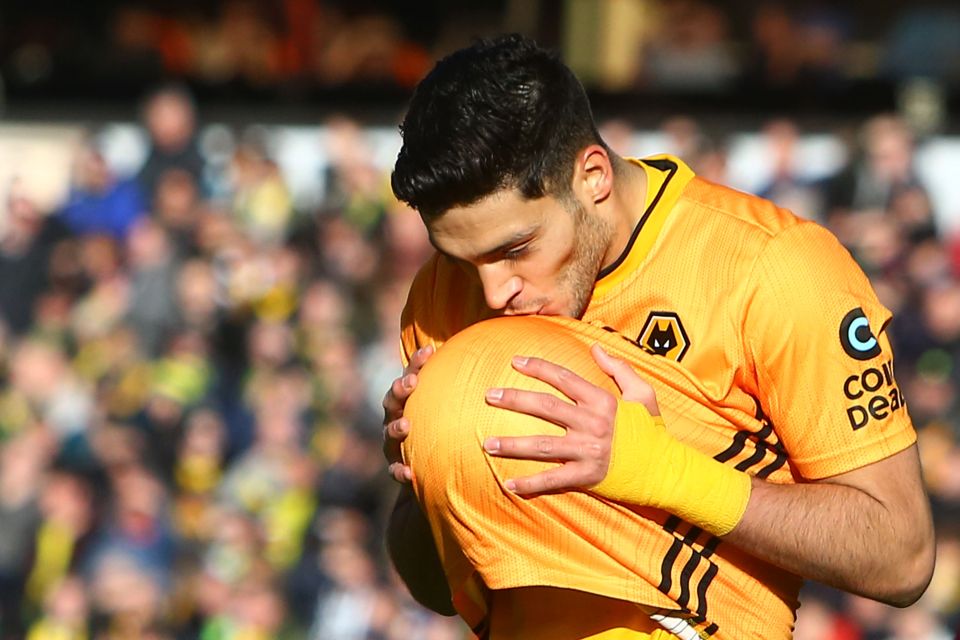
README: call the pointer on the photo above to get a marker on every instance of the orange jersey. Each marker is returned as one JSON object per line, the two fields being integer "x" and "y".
{"x": 774, "y": 325}
{"x": 573, "y": 540}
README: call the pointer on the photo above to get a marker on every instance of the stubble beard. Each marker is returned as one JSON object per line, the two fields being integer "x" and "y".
{"x": 579, "y": 277}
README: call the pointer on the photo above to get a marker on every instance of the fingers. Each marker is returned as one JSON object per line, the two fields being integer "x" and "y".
{"x": 393, "y": 434}
{"x": 632, "y": 386}
{"x": 401, "y": 473}
{"x": 589, "y": 451}
{"x": 562, "y": 379}
{"x": 585, "y": 460}
{"x": 395, "y": 426}
{"x": 418, "y": 359}
{"x": 584, "y": 451}
{"x": 566, "y": 476}
{"x": 396, "y": 397}
{"x": 402, "y": 387}
{"x": 542, "y": 405}
{"x": 533, "y": 447}
{"x": 396, "y": 431}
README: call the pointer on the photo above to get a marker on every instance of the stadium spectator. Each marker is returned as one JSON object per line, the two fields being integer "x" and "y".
{"x": 153, "y": 266}
{"x": 261, "y": 201}
{"x": 786, "y": 187}
{"x": 170, "y": 119}
{"x": 99, "y": 202}
{"x": 882, "y": 170}
{"x": 27, "y": 242}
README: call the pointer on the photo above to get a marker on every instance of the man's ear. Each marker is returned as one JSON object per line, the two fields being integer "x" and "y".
{"x": 593, "y": 174}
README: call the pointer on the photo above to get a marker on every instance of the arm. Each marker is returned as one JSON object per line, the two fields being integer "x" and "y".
{"x": 409, "y": 541}
{"x": 863, "y": 522}
{"x": 411, "y": 548}
{"x": 867, "y": 531}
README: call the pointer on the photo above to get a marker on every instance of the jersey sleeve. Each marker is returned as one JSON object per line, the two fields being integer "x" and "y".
{"x": 409, "y": 340}
{"x": 816, "y": 335}
{"x": 421, "y": 310}
{"x": 442, "y": 301}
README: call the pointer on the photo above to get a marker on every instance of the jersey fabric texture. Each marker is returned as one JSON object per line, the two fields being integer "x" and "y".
{"x": 777, "y": 330}
{"x": 570, "y": 540}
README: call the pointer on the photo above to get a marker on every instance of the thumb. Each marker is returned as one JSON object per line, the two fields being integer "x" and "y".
{"x": 632, "y": 386}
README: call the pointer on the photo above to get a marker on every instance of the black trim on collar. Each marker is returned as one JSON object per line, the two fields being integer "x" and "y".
{"x": 662, "y": 165}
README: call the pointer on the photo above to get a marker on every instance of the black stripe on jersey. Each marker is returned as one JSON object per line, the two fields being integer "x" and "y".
{"x": 757, "y": 456}
{"x": 686, "y": 574}
{"x": 663, "y": 165}
{"x": 780, "y": 454}
{"x": 712, "y": 569}
{"x": 689, "y": 539}
{"x": 778, "y": 461}
{"x": 763, "y": 446}
{"x": 711, "y": 546}
{"x": 666, "y": 567}
{"x": 672, "y": 523}
{"x": 705, "y": 582}
{"x": 738, "y": 444}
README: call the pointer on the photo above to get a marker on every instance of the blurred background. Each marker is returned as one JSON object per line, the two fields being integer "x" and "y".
{"x": 202, "y": 269}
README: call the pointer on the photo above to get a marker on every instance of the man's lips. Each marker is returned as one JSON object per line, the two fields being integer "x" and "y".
{"x": 533, "y": 312}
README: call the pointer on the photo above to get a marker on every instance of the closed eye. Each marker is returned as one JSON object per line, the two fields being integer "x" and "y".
{"x": 516, "y": 253}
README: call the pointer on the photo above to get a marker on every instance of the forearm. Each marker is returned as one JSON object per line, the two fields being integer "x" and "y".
{"x": 842, "y": 536}
{"x": 867, "y": 531}
{"x": 414, "y": 555}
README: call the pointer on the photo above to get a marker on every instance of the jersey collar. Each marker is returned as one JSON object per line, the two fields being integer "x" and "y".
{"x": 666, "y": 177}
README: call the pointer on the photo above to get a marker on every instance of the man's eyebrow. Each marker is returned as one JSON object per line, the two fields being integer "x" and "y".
{"x": 516, "y": 238}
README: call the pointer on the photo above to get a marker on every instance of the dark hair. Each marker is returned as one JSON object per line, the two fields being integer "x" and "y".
{"x": 501, "y": 114}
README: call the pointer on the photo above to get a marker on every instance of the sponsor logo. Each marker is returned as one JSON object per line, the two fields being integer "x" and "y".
{"x": 663, "y": 335}
{"x": 874, "y": 395}
{"x": 856, "y": 338}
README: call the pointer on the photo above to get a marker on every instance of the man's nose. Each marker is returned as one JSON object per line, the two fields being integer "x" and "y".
{"x": 499, "y": 288}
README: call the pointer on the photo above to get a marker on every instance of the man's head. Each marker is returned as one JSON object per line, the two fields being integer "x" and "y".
{"x": 503, "y": 161}
{"x": 501, "y": 114}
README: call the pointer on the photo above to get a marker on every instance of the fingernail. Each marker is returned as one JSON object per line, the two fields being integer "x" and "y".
{"x": 408, "y": 474}
{"x": 510, "y": 485}
{"x": 520, "y": 361}
{"x": 491, "y": 445}
{"x": 494, "y": 394}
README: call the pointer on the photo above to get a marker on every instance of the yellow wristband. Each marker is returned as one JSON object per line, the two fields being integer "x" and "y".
{"x": 649, "y": 467}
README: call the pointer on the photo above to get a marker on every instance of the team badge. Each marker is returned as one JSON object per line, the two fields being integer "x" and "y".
{"x": 663, "y": 335}
{"x": 856, "y": 338}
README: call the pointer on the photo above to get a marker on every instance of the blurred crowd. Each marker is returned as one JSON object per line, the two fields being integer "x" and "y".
{"x": 294, "y": 44}
{"x": 190, "y": 400}
{"x": 191, "y": 371}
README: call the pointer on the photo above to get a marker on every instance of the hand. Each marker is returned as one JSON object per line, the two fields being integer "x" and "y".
{"x": 395, "y": 426}
{"x": 584, "y": 450}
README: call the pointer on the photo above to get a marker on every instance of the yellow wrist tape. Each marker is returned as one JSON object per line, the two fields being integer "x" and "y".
{"x": 649, "y": 467}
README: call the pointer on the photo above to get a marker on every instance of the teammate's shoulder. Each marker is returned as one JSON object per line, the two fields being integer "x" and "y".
{"x": 443, "y": 299}
{"x": 436, "y": 273}
{"x": 427, "y": 273}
